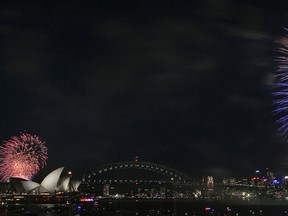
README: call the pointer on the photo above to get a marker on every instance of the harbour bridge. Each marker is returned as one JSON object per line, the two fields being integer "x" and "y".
{"x": 118, "y": 178}
{"x": 136, "y": 173}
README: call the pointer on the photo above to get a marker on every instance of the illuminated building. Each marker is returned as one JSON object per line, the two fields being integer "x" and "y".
{"x": 210, "y": 183}
{"x": 51, "y": 184}
{"x": 229, "y": 181}
{"x": 106, "y": 190}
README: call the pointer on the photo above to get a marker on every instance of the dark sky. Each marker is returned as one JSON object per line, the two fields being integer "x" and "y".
{"x": 186, "y": 84}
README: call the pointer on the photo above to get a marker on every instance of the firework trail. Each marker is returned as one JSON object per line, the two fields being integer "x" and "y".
{"x": 22, "y": 156}
{"x": 281, "y": 89}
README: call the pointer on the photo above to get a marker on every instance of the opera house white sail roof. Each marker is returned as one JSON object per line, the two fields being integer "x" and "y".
{"x": 51, "y": 184}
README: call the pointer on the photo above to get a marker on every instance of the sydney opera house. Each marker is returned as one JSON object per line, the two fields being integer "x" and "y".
{"x": 53, "y": 183}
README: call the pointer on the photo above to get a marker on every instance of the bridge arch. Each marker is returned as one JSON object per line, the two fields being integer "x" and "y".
{"x": 172, "y": 174}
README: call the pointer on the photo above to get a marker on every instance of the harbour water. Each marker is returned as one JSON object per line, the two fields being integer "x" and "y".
{"x": 152, "y": 207}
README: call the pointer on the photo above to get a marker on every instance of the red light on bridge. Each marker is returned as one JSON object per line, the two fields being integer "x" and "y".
{"x": 136, "y": 159}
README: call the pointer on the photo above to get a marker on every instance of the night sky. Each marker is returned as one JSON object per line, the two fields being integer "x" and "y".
{"x": 186, "y": 84}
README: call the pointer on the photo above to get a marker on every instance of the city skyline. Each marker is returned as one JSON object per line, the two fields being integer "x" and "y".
{"x": 188, "y": 85}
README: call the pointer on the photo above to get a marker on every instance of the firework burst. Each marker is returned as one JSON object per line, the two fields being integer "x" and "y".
{"x": 281, "y": 88}
{"x": 22, "y": 156}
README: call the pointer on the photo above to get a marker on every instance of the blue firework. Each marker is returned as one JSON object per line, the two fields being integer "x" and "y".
{"x": 281, "y": 88}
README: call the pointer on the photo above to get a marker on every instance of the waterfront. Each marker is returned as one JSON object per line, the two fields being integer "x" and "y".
{"x": 194, "y": 207}
{"x": 152, "y": 207}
